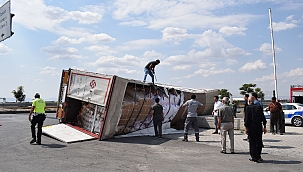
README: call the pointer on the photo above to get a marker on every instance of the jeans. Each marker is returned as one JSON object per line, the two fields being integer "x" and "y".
{"x": 147, "y": 71}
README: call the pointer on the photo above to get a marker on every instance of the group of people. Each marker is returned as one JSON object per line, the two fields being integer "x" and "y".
{"x": 254, "y": 121}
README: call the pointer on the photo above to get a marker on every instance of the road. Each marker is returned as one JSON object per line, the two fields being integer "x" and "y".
{"x": 138, "y": 153}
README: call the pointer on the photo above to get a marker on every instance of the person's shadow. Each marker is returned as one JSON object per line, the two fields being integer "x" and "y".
{"x": 53, "y": 145}
{"x": 281, "y": 162}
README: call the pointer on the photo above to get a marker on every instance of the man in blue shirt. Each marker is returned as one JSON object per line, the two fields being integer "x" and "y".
{"x": 192, "y": 117}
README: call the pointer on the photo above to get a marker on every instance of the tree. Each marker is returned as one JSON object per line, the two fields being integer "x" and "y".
{"x": 19, "y": 94}
{"x": 250, "y": 88}
{"x": 224, "y": 93}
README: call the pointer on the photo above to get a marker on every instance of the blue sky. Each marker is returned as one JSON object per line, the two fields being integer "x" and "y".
{"x": 201, "y": 44}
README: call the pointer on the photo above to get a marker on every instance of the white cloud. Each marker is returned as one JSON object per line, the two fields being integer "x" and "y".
{"x": 207, "y": 64}
{"x": 139, "y": 44}
{"x": 174, "y": 34}
{"x": 86, "y": 17}
{"x": 112, "y": 61}
{"x": 116, "y": 70}
{"x": 218, "y": 47}
{"x": 231, "y": 61}
{"x": 49, "y": 71}
{"x": 49, "y": 18}
{"x": 289, "y": 18}
{"x": 59, "y": 50}
{"x": 63, "y": 40}
{"x": 159, "y": 14}
{"x": 61, "y": 53}
{"x": 102, "y": 50}
{"x": 298, "y": 72}
{"x": 213, "y": 71}
{"x": 4, "y": 49}
{"x": 95, "y": 38}
{"x": 66, "y": 56}
{"x": 266, "y": 48}
{"x": 181, "y": 67}
{"x": 257, "y": 65}
{"x": 232, "y": 30}
{"x": 265, "y": 78}
{"x": 153, "y": 54}
{"x": 288, "y": 24}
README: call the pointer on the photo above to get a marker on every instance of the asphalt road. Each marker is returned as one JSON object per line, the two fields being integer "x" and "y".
{"x": 122, "y": 154}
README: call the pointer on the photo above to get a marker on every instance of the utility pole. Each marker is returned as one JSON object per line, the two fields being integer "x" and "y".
{"x": 273, "y": 53}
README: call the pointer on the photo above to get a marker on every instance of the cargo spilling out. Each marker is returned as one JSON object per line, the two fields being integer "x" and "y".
{"x": 103, "y": 106}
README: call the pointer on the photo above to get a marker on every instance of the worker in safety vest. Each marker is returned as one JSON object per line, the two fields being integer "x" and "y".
{"x": 38, "y": 117}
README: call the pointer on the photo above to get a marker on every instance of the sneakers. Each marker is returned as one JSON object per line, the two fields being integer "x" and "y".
{"x": 215, "y": 132}
{"x": 33, "y": 141}
{"x": 185, "y": 140}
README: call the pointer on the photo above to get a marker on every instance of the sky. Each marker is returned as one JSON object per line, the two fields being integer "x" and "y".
{"x": 211, "y": 44}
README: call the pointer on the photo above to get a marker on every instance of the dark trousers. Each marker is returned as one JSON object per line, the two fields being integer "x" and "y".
{"x": 158, "y": 127}
{"x": 275, "y": 122}
{"x": 193, "y": 122}
{"x": 255, "y": 140}
{"x": 37, "y": 120}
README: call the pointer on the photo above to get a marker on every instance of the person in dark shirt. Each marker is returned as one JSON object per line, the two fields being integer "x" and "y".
{"x": 253, "y": 128}
{"x": 157, "y": 113}
{"x": 275, "y": 109}
{"x": 150, "y": 69}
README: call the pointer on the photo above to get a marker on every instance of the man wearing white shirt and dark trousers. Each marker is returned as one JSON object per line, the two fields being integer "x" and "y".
{"x": 217, "y": 106}
{"x": 192, "y": 117}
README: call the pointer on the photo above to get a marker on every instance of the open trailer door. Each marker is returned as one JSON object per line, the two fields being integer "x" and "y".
{"x": 68, "y": 133}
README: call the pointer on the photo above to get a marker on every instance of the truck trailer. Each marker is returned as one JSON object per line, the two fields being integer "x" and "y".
{"x": 103, "y": 106}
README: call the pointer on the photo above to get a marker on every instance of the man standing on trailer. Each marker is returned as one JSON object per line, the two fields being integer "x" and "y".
{"x": 150, "y": 69}
{"x": 192, "y": 117}
{"x": 157, "y": 113}
{"x": 38, "y": 108}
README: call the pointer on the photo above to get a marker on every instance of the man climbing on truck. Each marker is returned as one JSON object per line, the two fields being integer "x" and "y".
{"x": 150, "y": 69}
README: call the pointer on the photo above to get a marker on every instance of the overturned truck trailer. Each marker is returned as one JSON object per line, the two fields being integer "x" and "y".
{"x": 108, "y": 105}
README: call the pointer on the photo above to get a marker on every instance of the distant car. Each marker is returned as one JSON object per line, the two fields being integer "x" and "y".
{"x": 292, "y": 113}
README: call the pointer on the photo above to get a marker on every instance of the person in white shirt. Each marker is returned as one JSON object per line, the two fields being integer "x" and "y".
{"x": 217, "y": 106}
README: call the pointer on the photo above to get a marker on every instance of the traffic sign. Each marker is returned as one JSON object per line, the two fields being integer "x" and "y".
{"x": 5, "y": 21}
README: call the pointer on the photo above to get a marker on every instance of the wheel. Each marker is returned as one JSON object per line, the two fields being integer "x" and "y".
{"x": 297, "y": 121}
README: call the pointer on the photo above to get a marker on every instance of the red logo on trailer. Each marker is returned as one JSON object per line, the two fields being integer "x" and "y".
{"x": 93, "y": 84}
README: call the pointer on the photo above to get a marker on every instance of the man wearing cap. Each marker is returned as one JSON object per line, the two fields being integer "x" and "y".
{"x": 226, "y": 124}
{"x": 38, "y": 108}
{"x": 150, "y": 69}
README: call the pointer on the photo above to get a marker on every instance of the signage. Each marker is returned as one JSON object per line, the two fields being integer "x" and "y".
{"x": 89, "y": 87}
{"x": 5, "y": 21}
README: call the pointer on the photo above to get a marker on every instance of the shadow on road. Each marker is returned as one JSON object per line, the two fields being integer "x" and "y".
{"x": 53, "y": 146}
{"x": 266, "y": 140}
{"x": 281, "y": 162}
{"x": 279, "y": 147}
{"x": 149, "y": 140}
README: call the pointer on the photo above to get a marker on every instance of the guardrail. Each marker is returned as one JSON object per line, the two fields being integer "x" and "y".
{"x": 25, "y": 104}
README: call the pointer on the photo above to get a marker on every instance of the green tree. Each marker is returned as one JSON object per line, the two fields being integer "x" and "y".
{"x": 19, "y": 94}
{"x": 224, "y": 93}
{"x": 250, "y": 88}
